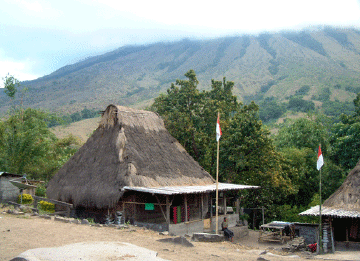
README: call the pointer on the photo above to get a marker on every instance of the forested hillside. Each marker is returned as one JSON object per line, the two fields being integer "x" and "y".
{"x": 321, "y": 66}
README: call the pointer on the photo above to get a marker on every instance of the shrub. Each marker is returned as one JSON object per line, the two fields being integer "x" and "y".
{"x": 40, "y": 191}
{"x": 46, "y": 206}
{"x": 26, "y": 199}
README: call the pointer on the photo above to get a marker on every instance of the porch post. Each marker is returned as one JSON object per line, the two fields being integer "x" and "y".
{"x": 167, "y": 210}
{"x": 124, "y": 212}
{"x": 211, "y": 212}
{"x": 237, "y": 204}
{"x": 186, "y": 208}
{"x": 202, "y": 206}
{"x": 224, "y": 202}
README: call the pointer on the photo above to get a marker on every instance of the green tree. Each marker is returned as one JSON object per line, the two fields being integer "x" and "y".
{"x": 270, "y": 109}
{"x": 11, "y": 85}
{"x": 247, "y": 153}
{"x": 303, "y": 133}
{"x": 28, "y": 146}
{"x": 190, "y": 115}
{"x": 346, "y": 138}
{"x": 248, "y": 156}
{"x": 180, "y": 110}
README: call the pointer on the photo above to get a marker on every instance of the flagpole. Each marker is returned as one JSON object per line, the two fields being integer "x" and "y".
{"x": 217, "y": 186}
{"x": 319, "y": 247}
{"x": 320, "y": 232}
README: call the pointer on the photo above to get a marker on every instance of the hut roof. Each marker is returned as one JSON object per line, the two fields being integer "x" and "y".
{"x": 129, "y": 148}
{"x": 345, "y": 201}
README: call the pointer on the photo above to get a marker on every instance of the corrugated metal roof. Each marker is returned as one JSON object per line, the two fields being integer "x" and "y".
{"x": 189, "y": 189}
{"x": 332, "y": 212}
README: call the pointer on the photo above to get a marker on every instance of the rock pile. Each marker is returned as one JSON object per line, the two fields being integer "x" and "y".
{"x": 297, "y": 244}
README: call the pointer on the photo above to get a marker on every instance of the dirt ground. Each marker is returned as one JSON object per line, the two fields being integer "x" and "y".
{"x": 20, "y": 233}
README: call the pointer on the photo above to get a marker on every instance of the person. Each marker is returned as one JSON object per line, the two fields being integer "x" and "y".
{"x": 227, "y": 232}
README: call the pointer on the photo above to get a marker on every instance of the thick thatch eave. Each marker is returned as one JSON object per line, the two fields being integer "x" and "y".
{"x": 347, "y": 197}
{"x": 344, "y": 202}
{"x": 129, "y": 148}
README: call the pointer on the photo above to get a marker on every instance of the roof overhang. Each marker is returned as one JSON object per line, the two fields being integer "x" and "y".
{"x": 175, "y": 190}
{"x": 332, "y": 212}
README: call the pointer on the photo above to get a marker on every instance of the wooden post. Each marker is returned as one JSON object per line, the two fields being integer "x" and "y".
{"x": 237, "y": 204}
{"x": 186, "y": 210}
{"x": 332, "y": 236}
{"x": 202, "y": 206}
{"x": 35, "y": 202}
{"x": 224, "y": 201}
{"x": 124, "y": 212}
{"x": 167, "y": 210}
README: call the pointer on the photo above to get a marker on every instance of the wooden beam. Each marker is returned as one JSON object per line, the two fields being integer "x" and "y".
{"x": 56, "y": 202}
{"x": 162, "y": 211}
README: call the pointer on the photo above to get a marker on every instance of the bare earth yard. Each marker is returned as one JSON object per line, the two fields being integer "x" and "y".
{"x": 19, "y": 233}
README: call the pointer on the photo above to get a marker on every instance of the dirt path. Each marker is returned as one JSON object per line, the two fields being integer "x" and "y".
{"x": 19, "y": 233}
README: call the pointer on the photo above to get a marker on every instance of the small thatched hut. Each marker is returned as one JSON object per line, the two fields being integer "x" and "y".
{"x": 341, "y": 211}
{"x": 132, "y": 164}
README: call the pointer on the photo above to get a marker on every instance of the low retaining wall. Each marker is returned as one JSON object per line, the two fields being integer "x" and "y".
{"x": 186, "y": 228}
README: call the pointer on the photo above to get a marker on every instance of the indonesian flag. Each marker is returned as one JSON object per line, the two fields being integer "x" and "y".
{"x": 320, "y": 161}
{"x": 218, "y": 129}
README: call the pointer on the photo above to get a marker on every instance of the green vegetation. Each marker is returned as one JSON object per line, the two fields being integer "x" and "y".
{"x": 299, "y": 105}
{"x": 284, "y": 166}
{"x": 28, "y": 146}
{"x": 270, "y": 109}
{"x": 25, "y": 199}
{"x": 46, "y": 207}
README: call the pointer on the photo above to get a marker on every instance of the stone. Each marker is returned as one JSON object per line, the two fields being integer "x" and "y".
{"x": 45, "y": 216}
{"x": 85, "y": 222}
{"x": 178, "y": 240}
{"x": 206, "y": 237}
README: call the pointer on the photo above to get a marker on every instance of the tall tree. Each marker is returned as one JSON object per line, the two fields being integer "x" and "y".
{"x": 247, "y": 153}
{"x": 26, "y": 143}
{"x": 248, "y": 156}
{"x": 11, "y": 85}
{"x": 346, "y": 138}
{"x": 28, "y": 146}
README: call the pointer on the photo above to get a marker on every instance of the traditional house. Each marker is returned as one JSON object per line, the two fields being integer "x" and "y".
{"x": 341, "y": 211}
{"x": 131, "y": 164}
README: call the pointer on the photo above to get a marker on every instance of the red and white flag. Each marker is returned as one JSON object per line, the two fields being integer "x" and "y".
{"x": 218, "y": 129}
{"x": 320, "y": 160}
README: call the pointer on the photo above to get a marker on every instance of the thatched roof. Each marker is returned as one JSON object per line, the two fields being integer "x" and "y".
{"x": 129, "y": 148}
{"x": 345, "y": 201}
{"x": 348, "y": 195}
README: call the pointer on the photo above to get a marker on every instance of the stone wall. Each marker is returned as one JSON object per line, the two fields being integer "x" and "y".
{"x": 186, "y": 228}
{"x": 8, "y": 192}
{"x": 307, "y": 231}
{"x": 233, "y": 219}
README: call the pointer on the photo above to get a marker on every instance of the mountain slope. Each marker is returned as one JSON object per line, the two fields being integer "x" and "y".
{"x": 261, "y": 66}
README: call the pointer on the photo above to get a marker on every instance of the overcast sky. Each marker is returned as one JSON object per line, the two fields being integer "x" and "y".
{"x": 39, "y": 37}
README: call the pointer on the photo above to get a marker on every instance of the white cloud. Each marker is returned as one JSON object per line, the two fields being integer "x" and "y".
{"x": 242, "y": 15}
{"x": 20, "y": 70}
